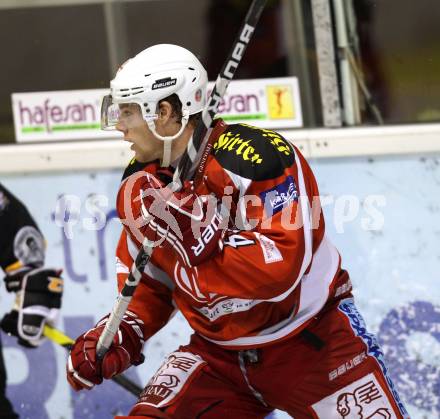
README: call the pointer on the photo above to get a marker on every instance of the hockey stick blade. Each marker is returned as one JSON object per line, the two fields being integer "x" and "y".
{"x": 65, "y": 341}
{"x": 185, "y": 167}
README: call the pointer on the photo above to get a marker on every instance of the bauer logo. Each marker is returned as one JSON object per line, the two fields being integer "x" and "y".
{"x": 162, "y": 83}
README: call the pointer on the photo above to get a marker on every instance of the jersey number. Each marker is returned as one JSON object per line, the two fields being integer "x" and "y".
{"x": 235, "y": 241}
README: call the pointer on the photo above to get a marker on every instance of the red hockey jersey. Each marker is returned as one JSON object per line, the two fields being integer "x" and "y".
{"x": 274, "y": 268}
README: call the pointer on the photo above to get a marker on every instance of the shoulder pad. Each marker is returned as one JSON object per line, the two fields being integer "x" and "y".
{"x": 252, "y": 152}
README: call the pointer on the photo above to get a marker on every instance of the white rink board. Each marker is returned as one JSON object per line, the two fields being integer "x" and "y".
{"x": 395, "y": 272}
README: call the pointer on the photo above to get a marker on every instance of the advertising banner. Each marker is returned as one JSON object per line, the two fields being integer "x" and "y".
{"x": 266, "y": 103}
{"x": 75, "y": 114}
{"x": 60, "y": 115}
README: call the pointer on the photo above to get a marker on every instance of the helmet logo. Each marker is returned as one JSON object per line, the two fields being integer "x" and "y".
{"x": 198, "y": 95}
{"x": 162, "y": 83}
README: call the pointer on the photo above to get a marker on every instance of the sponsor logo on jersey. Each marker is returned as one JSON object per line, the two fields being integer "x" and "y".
{"x": 276, "y": 198}
{"x": 363, "y": 399}
{"x": 277, "y": 141}
{"x": 274, "y": 138}
{"x": 270, "y": 250}
{"x": 162, "y": 83}
{"x": 171, "y": 378}
{"x": 227, "y": 306}
{"x": 261, "y": 151}
{"x": 280, "y": 102}
{"x": 236, "y": 144}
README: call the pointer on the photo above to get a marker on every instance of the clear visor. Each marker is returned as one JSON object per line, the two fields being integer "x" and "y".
{"x": 123, "y": 115}
{"x": 108, "y": 118}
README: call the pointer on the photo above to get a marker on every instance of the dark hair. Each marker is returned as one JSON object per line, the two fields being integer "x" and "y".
{"x": 176, "y": 104}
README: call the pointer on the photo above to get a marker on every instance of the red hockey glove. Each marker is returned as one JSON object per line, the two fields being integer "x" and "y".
{"x": 185, "y": 222}
{"x": 84, "y": 370}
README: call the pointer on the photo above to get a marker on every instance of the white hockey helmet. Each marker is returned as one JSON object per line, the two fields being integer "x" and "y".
{"x": 152, "y": 75}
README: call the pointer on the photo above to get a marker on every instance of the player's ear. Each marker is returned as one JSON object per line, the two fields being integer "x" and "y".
{"x": 165, "y": 112}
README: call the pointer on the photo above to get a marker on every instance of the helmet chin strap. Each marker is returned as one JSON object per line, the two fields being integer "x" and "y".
{"x": 167, "y": 141}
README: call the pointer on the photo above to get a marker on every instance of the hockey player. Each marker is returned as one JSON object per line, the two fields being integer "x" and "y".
{"x": 38, "y": 289}
{"x": 242, "y": 253}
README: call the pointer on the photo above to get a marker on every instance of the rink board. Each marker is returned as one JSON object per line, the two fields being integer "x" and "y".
{"x": 395, "y": 271}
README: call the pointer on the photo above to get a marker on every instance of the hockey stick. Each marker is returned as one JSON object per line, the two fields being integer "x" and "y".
{"x": 65, "y": 341}
{"x": 199, "y": 139}
{"x": 186, "y": 167}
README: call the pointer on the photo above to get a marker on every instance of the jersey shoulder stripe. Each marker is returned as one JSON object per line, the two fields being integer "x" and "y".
{"x": 253, "y": 153}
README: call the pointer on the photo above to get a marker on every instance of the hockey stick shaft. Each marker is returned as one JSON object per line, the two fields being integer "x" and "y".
{"x": 65, "y": 341}
{"x": 186, "y": 167}
{"x": 123, "y": 299}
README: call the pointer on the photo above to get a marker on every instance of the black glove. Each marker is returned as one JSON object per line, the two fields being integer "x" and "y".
{"x": 38, "y": 302}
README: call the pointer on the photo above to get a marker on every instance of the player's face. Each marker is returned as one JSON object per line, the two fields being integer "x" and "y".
{"x": 135, "y": 129}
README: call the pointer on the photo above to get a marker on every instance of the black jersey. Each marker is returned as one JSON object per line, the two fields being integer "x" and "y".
{"x": 21, "y": 242}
